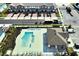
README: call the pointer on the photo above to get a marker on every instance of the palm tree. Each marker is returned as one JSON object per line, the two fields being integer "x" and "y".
{"x": 69, "y": 26}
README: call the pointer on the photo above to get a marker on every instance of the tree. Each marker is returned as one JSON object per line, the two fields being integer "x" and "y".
{"x": 69, "y": 27}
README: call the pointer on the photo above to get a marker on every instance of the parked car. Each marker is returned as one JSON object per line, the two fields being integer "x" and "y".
{"x": 34, "y": 10}
{"x": 24, "y": 10}
{"x": 30, "y": 10}
{"x": 48, "y": 22}
{"x": 10, "y": 11}
{"x": 20, "y": 7}
{"x": 48, "y": 11}
{"x": 52, "y": 8}
{"x": 71, "y": 30}
{"x": 55, "y": 22}
{"x": 21, "y": 10}
{"x": 39, "y": 10}
{"x": 76, "y": 46}
{"x": 44, "y": 10}
{"x": 15, "y": 11}
{"x": 12, "y": 7}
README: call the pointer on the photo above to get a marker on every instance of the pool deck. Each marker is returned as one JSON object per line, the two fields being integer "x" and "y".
{"x": 37, "y": 46}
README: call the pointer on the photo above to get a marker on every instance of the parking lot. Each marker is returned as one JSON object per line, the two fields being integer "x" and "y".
{"x": 68, "y": 19}
{"x": 32, "y": 12}
{"x": 75, "y": 36}
{"x": 21, "y": 16}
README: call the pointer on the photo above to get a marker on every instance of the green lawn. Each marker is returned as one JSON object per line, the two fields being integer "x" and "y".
{"x": 37, "y": 25}
{"x": 4, "y": 13}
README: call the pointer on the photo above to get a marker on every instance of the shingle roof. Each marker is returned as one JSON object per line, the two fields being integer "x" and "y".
{"x": 54, "y": 39}
{"x": 65, "y": 35}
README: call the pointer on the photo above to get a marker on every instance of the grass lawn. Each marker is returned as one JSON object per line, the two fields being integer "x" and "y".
{"x": 4, "y": 13}
{"x": 37, "y": 25}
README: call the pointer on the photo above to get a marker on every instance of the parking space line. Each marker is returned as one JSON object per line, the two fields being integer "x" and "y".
{"x": 27, "y": 17}
{"x": 21, "y": 16}
{"x": 41, "y": 17}
{"x": 53, "y": 16}
{"x": 47, "y": 18}
{"x": 9, "y": 16}
{"x": 15, "y": 16}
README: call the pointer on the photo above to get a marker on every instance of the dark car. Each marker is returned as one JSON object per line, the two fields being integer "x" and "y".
{"x": 39, "y": 10}
{"x": 48, "y": 11}
{"x": 55, "y": 22}
{"x": 76, "y": 46}
{"x": 52, "y": 8}
{"x": 12, "y": 7}
{"x": 44, "y": 10}
{"x": 24, "y": 10}
{"x": 20, "y": 8}
{"x": 34, "y": 10}
{"x": 15, "y": 11}
{"x": 48, "y": 22}
{"x": 30, "y": 10}
{"x": 10, "y": 11}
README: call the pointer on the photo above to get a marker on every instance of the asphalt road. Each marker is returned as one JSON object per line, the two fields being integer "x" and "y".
{"x": 20, "y": 21}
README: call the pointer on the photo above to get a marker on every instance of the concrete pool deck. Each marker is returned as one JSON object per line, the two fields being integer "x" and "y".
{"x": 37, "y": 46}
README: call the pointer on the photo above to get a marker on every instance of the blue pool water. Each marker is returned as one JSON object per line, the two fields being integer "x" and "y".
{"x": 26, "y": 37}
{"x": 1, "y": 33}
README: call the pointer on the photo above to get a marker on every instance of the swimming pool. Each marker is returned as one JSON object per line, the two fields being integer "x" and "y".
{"x": 29, "y": 41}
{"x": 2, "y": 35}
{"x": 26, "y": 38}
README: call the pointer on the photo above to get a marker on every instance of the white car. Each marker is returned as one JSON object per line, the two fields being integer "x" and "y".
{"x": 71, "y": 30}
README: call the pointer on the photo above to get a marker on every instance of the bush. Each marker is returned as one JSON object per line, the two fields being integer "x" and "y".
{"x": 56, "y": 25}
{"x": 9, "y": 42}
{"x": 57, "y": 54}
{"x": 4, "y": 13}
{"x": 57, "y": 14}
{"x": 74, "y": 54}
{"x": 69, "y": 26}
{"x": 70, "y": 50}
